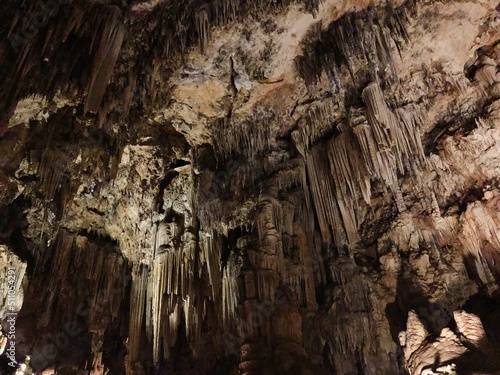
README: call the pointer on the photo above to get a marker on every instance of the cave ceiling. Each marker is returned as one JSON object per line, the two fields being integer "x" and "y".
{"x": 249, "y": 187}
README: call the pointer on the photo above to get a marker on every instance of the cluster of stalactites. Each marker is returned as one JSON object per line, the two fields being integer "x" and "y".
{"x": 282, "y": 255}
{"x": 169, "y": 286}
{"x": 105, "y": 57}
{"x": 243, "y": 138}
{"x": 372, "y": 144}
{"x": 103, "y": 285}
{"x": 220, "y": 12}
{"x": 361, "y": 39}
{"x": 102, "y": 25}
{"x": 392, "y": 143}
{"x": 166, "y": 292}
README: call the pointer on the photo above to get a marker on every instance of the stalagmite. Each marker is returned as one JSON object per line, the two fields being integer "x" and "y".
{"x": 414, "y": 336}
{"x": 441, "y": 354}
{"x": 97, "y": 366}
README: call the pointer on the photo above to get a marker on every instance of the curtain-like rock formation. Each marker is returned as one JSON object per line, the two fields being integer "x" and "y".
{"x": 223, "y": 187}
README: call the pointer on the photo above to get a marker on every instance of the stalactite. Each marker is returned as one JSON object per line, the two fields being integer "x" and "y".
{"x": 100, "y": 30}
{"x": 202, "y": 26}
{"x": 101, "y": 285}
{"x": 210, "y": 247}
{"x": 161, "y": 281}
{"x": 169, "y": 329}
{"x": 409, "y": 142}
{"x": 137, "y": 309}
{"x": 204, "y": 270}
{"x": 170, "y": 287}
{"x": 321, "y": 119}
{"x": 350, "y": 177}
{"x": 397, "y": 140}
{"x": 312, "y": 270}
{"x": 381, "y": 146}
{"x": 230, "y": 292}
{"x": 60, "y": 266}
{"x": 52, "y": 169}
{"x": 105, "y": 58}
{"x": 323, "y": 192}
{"x": 225, "y": 10}
{"x": 381, "y": 119}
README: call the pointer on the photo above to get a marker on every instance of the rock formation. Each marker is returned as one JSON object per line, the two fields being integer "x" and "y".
{"x": 250, "y": 187}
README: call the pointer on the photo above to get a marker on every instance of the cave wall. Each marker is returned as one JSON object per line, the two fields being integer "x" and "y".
{"x": 251, "y": 187}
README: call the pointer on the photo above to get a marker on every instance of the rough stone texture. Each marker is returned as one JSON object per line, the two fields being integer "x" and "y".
{"x": 252, "y": 187}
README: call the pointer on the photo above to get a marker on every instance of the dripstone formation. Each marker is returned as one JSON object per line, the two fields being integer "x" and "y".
{"x": 250, "y": 187}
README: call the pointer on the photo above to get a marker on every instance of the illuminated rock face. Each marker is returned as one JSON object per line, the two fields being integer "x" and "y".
{"x": 224, "y": 187}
